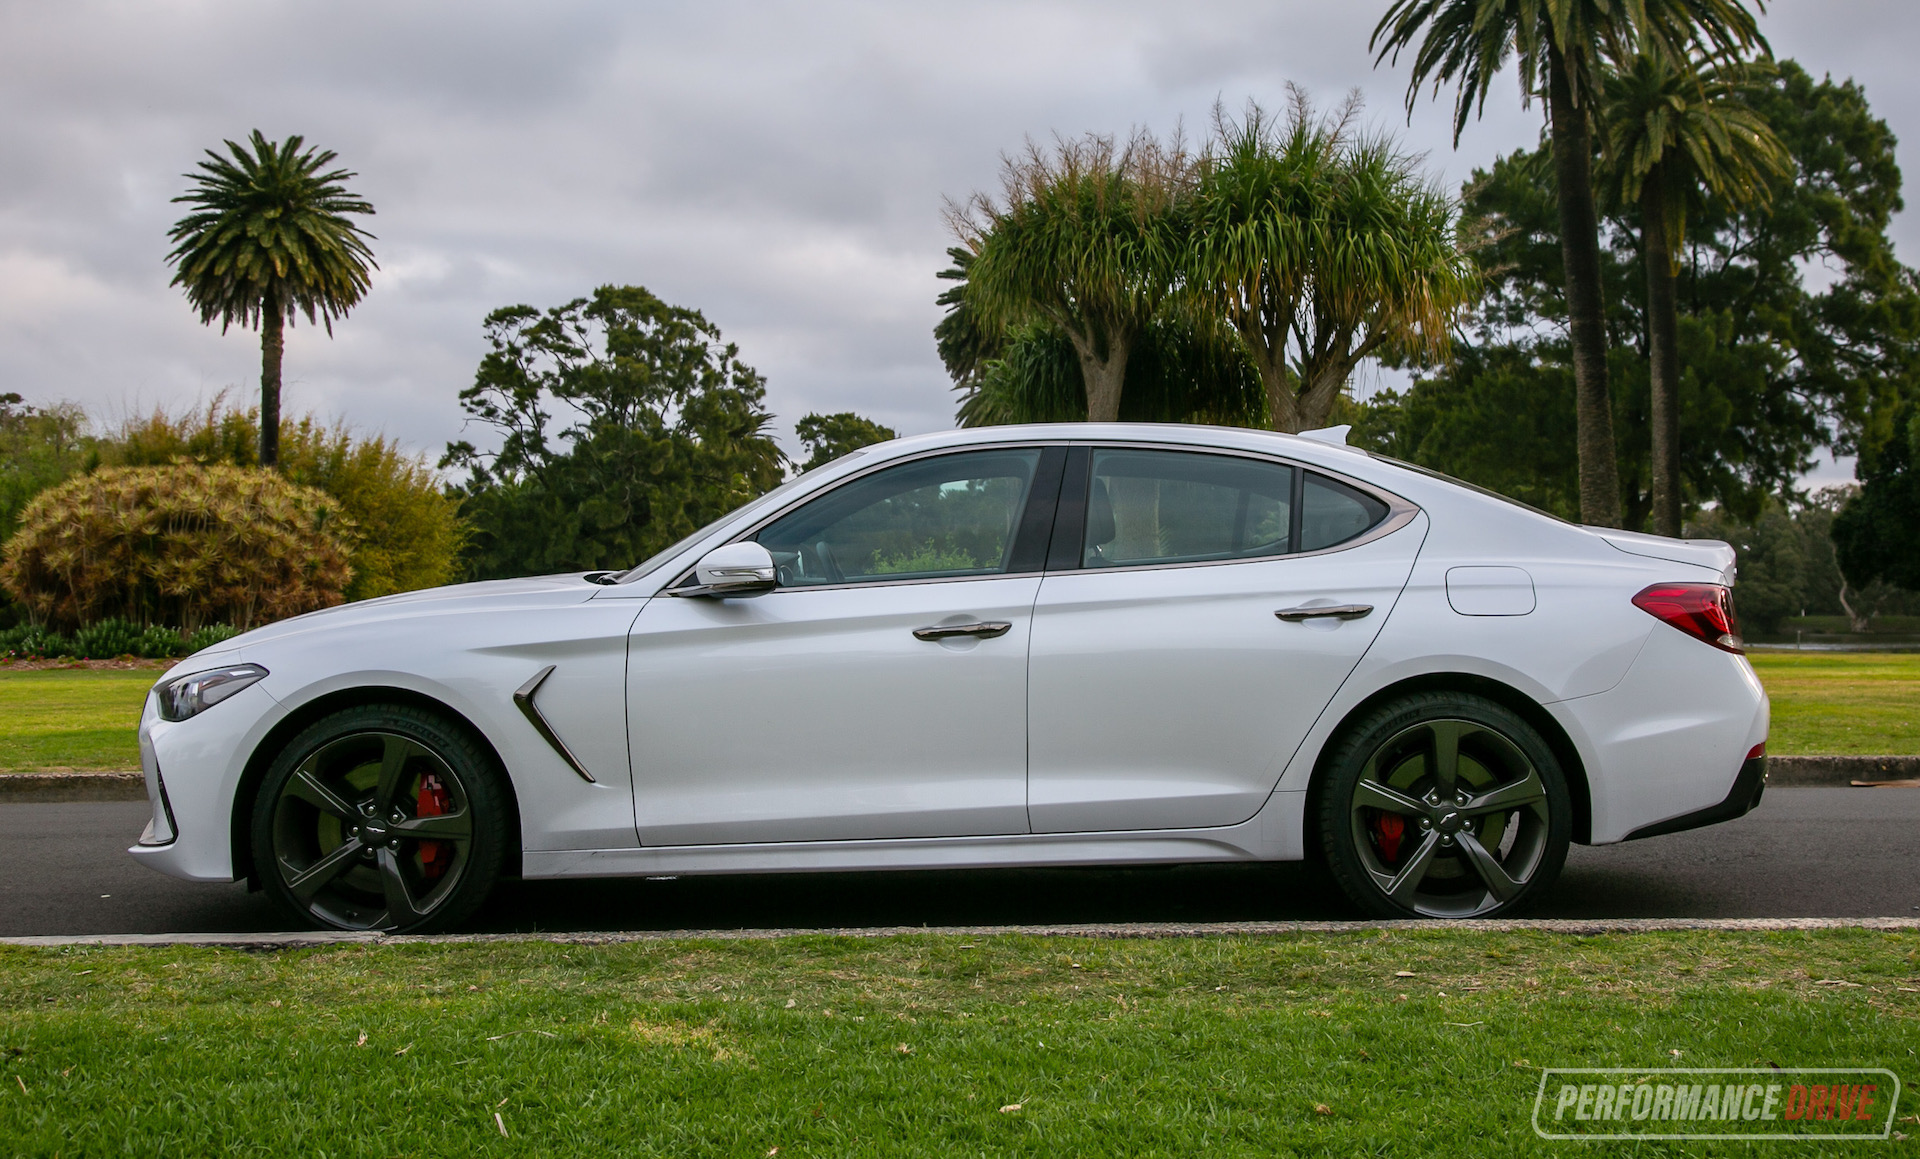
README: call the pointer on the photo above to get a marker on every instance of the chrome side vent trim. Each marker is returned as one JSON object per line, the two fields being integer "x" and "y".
{"x": 523, "y": 700}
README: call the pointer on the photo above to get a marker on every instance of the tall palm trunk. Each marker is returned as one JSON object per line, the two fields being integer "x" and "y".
{"x": 1572, "y": 135}
{"x": 273, "y": 345}
{"x": 1663, "y": 354}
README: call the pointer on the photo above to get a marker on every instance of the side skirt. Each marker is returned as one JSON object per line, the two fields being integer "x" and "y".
{"x": 1274, "y": 834}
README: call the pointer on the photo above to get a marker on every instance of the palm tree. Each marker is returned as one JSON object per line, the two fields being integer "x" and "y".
{"x": 269, "y": 239}
{"x": 1672, "y": 133}
{"x": 1085, "y": 240}
{"x": 1561, "y": 47}
{"x": 1321, "y": 249}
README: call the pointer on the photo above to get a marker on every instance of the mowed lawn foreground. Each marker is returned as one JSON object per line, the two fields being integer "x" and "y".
{"x": 1823, "y": 702}
{"x": 1368, "y": 1043}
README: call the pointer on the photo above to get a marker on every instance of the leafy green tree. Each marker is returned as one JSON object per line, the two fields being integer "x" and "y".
{"x": 1877, "y": 533}
{"x": 1674, "y": 134}
{"x": 39, "y": 446}
{"x": 828, "y": 437}
{"x": 1085, "y": 238}
{"x": 1561, "y": 48}
{"x": 269, "y": 239}
{"x": 1182, "y": 371}
{"x": 1320, "y": 248}
{"x": 624, "y": 423}
{"x": 1770, "y": 369}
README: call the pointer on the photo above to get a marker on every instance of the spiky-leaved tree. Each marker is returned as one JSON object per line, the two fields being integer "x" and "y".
{"x": 1321, "y": 247}
{"x": 269, "y": 239}
{"x": 1086, "y": 239}
{"x": 1674, "y": 134}
{"x": 1561, "y": 48}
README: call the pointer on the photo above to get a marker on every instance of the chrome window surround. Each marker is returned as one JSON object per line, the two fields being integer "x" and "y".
{"x": 1400, "y": 512}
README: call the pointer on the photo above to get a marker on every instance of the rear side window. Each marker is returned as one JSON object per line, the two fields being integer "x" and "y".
{"x": 1146, "y": 507}
{"x": 1332, "y": 513}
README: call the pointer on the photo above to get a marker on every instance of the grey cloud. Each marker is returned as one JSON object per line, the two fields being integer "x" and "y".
{"x": 780, "y": 167}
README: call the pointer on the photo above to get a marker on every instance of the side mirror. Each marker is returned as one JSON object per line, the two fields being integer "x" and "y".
{"x": 737, "y": 569}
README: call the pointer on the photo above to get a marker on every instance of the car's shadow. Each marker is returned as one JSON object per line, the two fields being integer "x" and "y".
{"x": 1188, "y": 893}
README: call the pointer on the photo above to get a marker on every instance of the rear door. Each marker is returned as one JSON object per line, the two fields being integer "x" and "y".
{"x": 1165, "y": 690}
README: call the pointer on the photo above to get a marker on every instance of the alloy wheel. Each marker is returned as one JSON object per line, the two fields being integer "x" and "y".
{"x": 373, "y": 830}
{"x": 1449, "y": 818}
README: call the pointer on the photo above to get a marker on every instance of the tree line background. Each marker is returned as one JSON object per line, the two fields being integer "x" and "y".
{"x": 1654, "y": 319}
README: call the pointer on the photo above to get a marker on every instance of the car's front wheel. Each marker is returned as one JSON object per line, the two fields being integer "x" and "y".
{"x": 380, "y": 817}
{"x": 1444, "y": 805}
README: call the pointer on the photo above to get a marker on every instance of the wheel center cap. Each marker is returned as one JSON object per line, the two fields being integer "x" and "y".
{"x": 1449, "y": 822}
{"x": 373, "y": 832}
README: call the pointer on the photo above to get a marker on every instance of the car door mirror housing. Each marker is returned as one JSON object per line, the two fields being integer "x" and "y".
{"x": 737, "y": 569}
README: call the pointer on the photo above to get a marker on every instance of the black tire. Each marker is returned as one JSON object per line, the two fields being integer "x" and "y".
{"x": 381, "y": 817}
{"x": 1409, "y": 833}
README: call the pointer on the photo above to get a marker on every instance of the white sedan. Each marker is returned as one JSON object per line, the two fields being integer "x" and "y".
{"x": 1013, "y": 646}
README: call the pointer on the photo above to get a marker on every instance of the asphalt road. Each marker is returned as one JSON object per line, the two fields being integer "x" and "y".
{"x": 1803, "y": 853}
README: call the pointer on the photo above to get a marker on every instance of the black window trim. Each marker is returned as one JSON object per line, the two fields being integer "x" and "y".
{"x": 1030, "y": 543}
{"x": 1069, "y": 529}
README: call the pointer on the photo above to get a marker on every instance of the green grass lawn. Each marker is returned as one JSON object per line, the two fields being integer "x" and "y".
{"x": 1842, "y": 702}
{"x": 1823, "y": 702}
{"x": 1376, "y": 1043}
{"x": 71, "y": 719}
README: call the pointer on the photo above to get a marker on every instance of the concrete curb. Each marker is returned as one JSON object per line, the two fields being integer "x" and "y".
{"x": 55, "y": 788}
{"x": 1570, "y": 927}
{"x": 1782, "y": 773}
{"x": 1809, "y": 772}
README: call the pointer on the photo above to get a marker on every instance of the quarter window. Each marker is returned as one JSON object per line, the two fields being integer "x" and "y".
{"x": 1147, "y": 507}
{"x": 1332, "y": 513}
{"x": 955, "y": 515}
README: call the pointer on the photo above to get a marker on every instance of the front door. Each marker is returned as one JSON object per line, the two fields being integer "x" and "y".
{"x": 1166, "y": 692}
{"x": 879, "y": 692}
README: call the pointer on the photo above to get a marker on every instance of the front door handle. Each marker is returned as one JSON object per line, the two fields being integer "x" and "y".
{"x": 984, "y": 629}
{"x": 1325, "y": 611}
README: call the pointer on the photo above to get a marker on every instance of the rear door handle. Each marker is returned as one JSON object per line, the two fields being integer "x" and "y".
{"x": 984, "y": 629}
{"x": 1325, "y": 611}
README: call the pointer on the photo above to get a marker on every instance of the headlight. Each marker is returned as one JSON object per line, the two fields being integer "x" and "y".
{"x": 196, "y": 692}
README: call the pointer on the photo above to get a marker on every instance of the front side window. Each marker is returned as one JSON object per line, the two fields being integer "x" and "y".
{"x": 1147, "y": 507}
{"x": 945, "y": 517}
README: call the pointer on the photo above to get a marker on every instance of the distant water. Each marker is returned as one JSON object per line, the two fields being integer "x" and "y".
{"x": 1829, "y": 644}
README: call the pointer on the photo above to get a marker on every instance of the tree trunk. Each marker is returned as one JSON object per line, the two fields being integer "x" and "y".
{"x": 272, "y": 345}
{"x": 1316, "y": 401}
{"x": 1283, "y": 407}
{"x": 1580, "y": 250}
{"x": 1103, "y": 376}
{"x": 1858, "y": 621}
{"x": 1663, "y": 355}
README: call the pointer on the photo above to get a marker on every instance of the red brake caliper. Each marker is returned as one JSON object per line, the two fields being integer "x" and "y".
{"x": 432, "y": 801}
{"x": 1390, "y": 828}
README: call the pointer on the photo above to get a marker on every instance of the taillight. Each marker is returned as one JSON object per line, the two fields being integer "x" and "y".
{"x": 1703, "y": 611}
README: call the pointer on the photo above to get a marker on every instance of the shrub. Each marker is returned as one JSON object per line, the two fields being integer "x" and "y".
{"x": 407, "y": 534}
{"x": 31, "y": 641}
{"x": 208, "y": 636}
{"x": 184, "y": 545}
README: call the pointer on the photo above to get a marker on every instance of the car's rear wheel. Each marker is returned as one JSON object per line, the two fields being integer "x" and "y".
{"x": 380, "y": 817}
{"x": 1444, "y": 805}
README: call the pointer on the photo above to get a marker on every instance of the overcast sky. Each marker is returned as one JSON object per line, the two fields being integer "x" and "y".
{"x": 781, "y": 167}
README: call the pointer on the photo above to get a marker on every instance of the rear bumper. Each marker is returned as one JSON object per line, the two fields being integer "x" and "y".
{"x": 1747, "y": 789}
